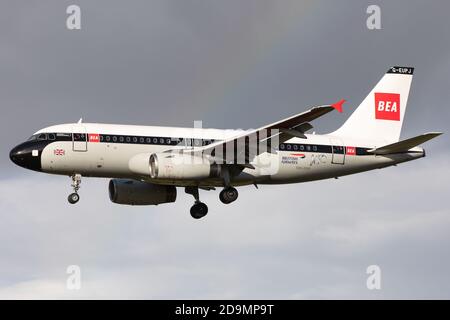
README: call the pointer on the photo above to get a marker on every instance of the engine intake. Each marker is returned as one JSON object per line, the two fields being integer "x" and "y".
{"x": 135, "y": 192}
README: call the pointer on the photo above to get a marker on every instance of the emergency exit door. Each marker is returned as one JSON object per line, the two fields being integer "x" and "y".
{"x": 79, "y": 138}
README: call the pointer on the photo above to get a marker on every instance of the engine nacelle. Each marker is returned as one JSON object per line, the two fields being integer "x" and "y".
{"x": 180, "y": 166}
{"x": 135, "y": 192}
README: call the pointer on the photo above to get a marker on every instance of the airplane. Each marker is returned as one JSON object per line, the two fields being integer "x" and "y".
{"x": 146, "y": 164}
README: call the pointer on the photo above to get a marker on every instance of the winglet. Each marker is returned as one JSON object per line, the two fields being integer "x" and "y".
{"x": 338, "y": 105}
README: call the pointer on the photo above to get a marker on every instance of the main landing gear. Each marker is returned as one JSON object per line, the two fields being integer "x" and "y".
{"x": 76, "y": 181}
{"x": 228, "y": 195}
{"x": 199, "y": 209}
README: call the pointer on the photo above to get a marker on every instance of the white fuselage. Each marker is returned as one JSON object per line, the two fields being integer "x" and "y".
{"x": 108, "y": 149}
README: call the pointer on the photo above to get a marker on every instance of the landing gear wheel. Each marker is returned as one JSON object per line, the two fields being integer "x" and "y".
{"x": 76, "y": 181}
{"x": 228, "y": 195}
{"x": 199, "y": 210}
{"x": 73, "y": 198}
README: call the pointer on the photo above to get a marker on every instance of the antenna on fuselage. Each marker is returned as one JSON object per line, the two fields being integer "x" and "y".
{"x": 80, "y": 121}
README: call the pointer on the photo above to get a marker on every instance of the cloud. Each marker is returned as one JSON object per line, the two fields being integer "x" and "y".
{"x": 311, "y": 240}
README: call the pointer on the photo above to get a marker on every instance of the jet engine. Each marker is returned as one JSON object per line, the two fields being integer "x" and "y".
{"x": 179, "y": 166}
{"x": 135, "y": 192}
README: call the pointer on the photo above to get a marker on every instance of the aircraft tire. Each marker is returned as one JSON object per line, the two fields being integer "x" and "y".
{"x": 73, "y": 198}
{"x": 199, "y": 210}
{"x": 228, "y": 195}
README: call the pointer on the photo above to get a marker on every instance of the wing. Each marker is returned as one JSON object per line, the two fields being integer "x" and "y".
{"x": 257, "y": 141}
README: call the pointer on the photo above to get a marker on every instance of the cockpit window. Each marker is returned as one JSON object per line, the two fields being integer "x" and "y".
{"x": 43, "y": 136}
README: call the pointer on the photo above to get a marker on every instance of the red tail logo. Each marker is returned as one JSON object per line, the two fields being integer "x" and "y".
{"x": 387, "y": 106}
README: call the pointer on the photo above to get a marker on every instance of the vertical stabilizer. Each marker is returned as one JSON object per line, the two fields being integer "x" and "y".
{"x": 380, "y": 115}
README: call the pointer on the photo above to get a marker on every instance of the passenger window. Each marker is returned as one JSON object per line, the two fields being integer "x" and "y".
{"x": 155, "y": 140}
{"x": 295, "y": 147}
{"x": 161, "y": 140}
{"x": 168, "y": 141}
{"x": 114, "y": 138}
{"x": 134, "y": 139}
{"x": 314, "y": 148}
{"x": 141, "y": 140}
{"x": 302, "y": 147}
{"x": 282, "y": 146}
{"x": 128, "y": 139}
{"x": 121, "y": 138}
{"x": 108, "y": 138}
{"x": 149, "y": 140}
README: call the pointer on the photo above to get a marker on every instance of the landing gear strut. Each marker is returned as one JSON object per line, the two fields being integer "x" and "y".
{"x": 228, "y": 195}
{"x": 199, "y": 209}
{"x": 76, "y": 181}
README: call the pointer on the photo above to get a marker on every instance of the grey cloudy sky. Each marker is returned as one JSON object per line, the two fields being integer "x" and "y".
{"x": 232, "y": 64}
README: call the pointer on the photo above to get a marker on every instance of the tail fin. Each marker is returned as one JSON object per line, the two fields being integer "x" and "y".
{"x": 380, "y": 115}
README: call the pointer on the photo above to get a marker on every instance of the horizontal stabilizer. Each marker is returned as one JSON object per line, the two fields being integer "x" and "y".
{"x": 405, "y": 145}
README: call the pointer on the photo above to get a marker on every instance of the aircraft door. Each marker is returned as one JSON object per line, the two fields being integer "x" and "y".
{"x": 79, "y": 138}
{"x": 338, "y": 151}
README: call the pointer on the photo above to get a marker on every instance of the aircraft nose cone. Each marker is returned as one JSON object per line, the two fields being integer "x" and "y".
{"x": 14, "y": 155}
{"x": 27, "y": 156}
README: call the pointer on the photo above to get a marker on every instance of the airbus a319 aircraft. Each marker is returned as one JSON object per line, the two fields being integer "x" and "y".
{"x": 148, "y": 163}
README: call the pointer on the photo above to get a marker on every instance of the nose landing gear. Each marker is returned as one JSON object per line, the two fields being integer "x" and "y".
{"x": 73, "y": 198}
{"x": 199, "y": 209}
{"x": 76, "y": 181}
